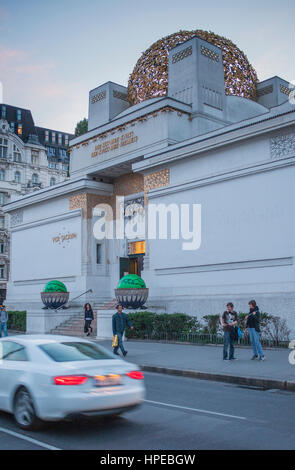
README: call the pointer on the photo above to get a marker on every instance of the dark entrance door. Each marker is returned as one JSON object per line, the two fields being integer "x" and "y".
{"x": 124, "y": 266}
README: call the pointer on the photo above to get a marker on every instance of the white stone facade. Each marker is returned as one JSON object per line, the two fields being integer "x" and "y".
{"x": 233, "y": 156}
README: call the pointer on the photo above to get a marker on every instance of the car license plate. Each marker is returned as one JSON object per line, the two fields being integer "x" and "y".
{"x": 107, "y": 380}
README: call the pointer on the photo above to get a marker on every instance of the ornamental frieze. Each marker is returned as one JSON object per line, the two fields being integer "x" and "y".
{"x": 282, "y": 146}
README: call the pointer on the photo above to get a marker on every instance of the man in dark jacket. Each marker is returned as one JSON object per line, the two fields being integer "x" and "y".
{"x": 119, "y": 321}
{"x": 229, "y": 321}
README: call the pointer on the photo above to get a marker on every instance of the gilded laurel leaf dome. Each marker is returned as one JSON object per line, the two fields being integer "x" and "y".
{"x": 149, "y": 78}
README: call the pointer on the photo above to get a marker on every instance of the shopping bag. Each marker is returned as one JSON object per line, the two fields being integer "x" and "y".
{"x": 115, "y": 341}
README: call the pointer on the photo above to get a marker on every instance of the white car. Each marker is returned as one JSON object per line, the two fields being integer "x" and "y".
{"x": 51, "y": 378}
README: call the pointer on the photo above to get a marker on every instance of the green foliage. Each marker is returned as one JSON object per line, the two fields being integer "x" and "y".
{"x": 55, "y": 286}
{"x": 131, "y": 281}
{"x": 81, "y": 127}
{"x": 17, "y": 320}
{"x": 212, "y": 324}
{"x": 159, "y": 326}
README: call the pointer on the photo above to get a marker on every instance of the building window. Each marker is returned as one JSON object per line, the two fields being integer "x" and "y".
{"x": 19, "y": 115}
{"x": 2, "y": 175}
{"x": 35, "y": 157}
{"x": 3, "y": 112}
{"x": 59, "y": 139}
{"x": 46, "y": 136}
{"x": 16, "y": 154}
{"x": 50, "y": 151}
{"x": 1, "y": 223}
{"x": 17, "y": 177}
{"x": 12, "y": 127}
{"x": 136, "y": 248}
{"x": 66, "y": 140}
{"x": 3, "y": 148}
{"x": 53, "y": 137}
{"x": 98, "y": 253}
{"x": 65, "y": 167}
{"x": 19, "y": 129}
{"x": 1, "y": 248}
{"x": 2, "y": 199}
{"x": 52, "y": 181}
{"x": 2, "y": 272}
{"x": 35, "y": 178}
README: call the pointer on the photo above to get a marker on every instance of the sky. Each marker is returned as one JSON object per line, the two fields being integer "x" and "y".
{"x": 52, "y": 52}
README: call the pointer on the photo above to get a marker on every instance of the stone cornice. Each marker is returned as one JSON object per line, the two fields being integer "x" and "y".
{"x": 266, "y": 165}
{"x": 66, "y": 187}
{"x": 163, "y": 104}
{"x": 213, "y": 140}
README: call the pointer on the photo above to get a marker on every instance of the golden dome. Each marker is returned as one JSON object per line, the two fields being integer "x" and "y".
{"x": 149, "y": 78}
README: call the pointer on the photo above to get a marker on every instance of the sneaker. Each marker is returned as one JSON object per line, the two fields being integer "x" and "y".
{"x": 116, "y": 353}
{"x": 262, "y": 358}
{"x": 225, "y": 359}
{"x": 233, "y": 359}
{"x": 125, "y": 353}
{"x": 254, "y": 357}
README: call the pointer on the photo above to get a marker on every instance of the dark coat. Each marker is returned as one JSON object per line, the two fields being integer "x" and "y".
{"x": 119, "y": 322}
{"x": 253, "y": 321}
{"x": 89, "y": 314}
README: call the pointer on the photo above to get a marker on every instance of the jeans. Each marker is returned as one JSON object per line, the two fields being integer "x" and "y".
{"x": 4, "y": 327}
{"x": 255, "y": 342}
{"x": 120, "y": 343}
{"x": 228, "y": 343}
{"x": 87, "y": 325}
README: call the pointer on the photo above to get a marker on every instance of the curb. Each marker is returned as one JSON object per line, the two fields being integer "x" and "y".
{"x": 234, "y": 379}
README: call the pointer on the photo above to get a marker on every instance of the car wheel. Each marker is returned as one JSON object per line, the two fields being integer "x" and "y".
{"x": 24, "y": 410}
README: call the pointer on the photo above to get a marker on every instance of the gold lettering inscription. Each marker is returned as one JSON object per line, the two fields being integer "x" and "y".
{"x": 62, "y": 238}
{"x": 113, "y": 144}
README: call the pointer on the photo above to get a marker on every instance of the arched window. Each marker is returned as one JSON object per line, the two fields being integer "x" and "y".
{"x": 2, "y": 175}
{"x": 52, "y": 181}
{"x": 34, "y": 178}
{"x": 17, "y": 177}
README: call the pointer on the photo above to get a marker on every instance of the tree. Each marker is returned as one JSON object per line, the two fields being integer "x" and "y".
{"x": 81, "y": 127}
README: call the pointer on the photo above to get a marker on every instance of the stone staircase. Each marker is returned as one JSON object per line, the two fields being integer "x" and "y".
{"x": 74, "y": 326}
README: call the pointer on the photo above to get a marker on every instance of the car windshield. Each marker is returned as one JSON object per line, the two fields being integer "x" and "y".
{"x": 75, "y": 351}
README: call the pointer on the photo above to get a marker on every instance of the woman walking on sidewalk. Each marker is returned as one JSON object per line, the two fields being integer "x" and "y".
{"x": 3, "y": 320}
{"x": 88, "y": 319}
{"x": 252, "y": 322}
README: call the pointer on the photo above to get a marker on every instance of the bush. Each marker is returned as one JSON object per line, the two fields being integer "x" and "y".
{"x": 157, "y": 326}
{"x": 212, "y": 324}
{"x": 17, "y": 320}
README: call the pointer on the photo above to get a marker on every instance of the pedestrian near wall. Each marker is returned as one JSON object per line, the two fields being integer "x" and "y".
{"x": 88, "y": 314}
{"x": 229, "y": 322}
{"x": 253, "y": 323}
{"x": 3, "y": 320}
{"x": 119, "y": 322}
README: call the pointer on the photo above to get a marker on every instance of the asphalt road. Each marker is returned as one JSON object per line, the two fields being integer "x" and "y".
{"x": 179, "y": 413}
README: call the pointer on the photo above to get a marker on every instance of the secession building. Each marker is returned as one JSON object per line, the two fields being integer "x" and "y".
{"x": 194, "y": 126}
{"x": 31, "y": 158}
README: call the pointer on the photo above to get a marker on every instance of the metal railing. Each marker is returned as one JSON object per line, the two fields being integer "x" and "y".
{"x": 200, "y": 338}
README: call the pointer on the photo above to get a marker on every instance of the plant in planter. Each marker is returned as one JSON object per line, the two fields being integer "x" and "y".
{"x": 131, "y": 291}
{"x": 55, "y": 295}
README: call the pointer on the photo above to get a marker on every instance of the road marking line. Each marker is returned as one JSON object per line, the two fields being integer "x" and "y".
{"x": 196, "y": 409}
{"x": 29, "y": 439}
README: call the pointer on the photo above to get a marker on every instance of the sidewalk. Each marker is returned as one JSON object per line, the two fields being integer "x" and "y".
{"x": 205, "y": 362}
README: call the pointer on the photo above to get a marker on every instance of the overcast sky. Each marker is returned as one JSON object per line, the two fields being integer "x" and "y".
{"x": 53, "y": 52}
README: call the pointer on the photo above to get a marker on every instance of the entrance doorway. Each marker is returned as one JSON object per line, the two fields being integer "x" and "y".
{"x": 133, "y": 264}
